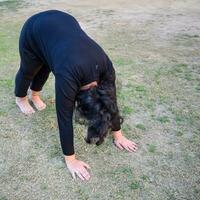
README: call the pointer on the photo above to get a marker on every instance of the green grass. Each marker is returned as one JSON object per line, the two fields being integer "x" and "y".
{"x": 141, "y": 126}
{"x": 179, "y": 68}
{"x": 3, "y": 198}
{"x": 179, "y": 133}
{"x": 127, "y": 110}
{"x": 6, "y": 83}
{"x": 179, "y": 118}
{"x": 163, "y": 119}
{"x": 122, "y": 61}
{"x": 152, "y": 148}
{"x": 9, "y": 42}
{"x": 140, "y": 88}
{"x": 145, "y": 178}
{"x": 135, "y": 185}
{"x": 11, "y": 5}
{"x": 158, "y": 95}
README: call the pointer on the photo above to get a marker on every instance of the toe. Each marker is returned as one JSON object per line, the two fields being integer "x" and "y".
{"x": 42, "y": 107}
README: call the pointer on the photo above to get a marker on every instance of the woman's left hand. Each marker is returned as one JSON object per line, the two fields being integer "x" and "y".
{"x": 122, "y": 142}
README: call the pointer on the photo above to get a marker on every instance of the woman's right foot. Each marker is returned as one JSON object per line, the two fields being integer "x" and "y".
{"x": 24, "y": 105}
{"x": 37, "y": 101}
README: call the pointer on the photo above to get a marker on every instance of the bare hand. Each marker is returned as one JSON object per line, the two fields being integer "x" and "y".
{"x": 77, "y": 167}
{"x": 123, "y": 143}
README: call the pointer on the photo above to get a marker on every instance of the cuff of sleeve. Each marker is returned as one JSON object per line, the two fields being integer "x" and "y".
{"x": 116, "y": 129}
{"x": 68, "y": 153}
{"x": 116, "y": 126}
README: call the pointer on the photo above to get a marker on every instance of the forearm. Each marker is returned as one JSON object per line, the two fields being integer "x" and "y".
{"x": 65, "y": 100}
{"x": 66, "y": 133}
{"x": 116, "y": 124}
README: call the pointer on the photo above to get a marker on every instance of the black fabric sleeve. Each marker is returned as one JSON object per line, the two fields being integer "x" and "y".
{"x": 66, "y": 89}
{"x": 116, "y": 120}
{"x": 110, "y": 78}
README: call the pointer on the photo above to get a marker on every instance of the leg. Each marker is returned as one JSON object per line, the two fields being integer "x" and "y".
{"x": 28, "y": 69}
{"x": 29, "y": 66}
{"x": 37, "y": 85}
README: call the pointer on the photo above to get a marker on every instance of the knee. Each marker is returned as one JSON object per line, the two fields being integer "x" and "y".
{"x": 25, "y": 75}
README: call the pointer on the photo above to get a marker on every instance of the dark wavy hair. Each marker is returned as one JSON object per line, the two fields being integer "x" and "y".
{"x": 99, "y": 106}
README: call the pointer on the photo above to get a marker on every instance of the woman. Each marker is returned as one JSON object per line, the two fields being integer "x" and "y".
{"x": 53, "y": 41}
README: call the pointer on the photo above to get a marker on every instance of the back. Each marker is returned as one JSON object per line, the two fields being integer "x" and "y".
{"x": 58, "y": 38}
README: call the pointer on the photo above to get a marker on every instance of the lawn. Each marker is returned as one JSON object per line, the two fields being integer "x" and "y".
{"x": 155, "y": 48}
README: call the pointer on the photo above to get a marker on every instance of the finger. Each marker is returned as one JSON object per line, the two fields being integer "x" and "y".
{"x": 73, "y": 175}
{"x": 85, "y": 174}
{"x": 126, "y": 147}
{"x": 134, "y": 144}
{"x": 135, "y": 147}
{"x": 131, "y": 148}
{"x": 86, "y": 165}
{"x": 119, "y": 145}
{"x": 80, "y": 176}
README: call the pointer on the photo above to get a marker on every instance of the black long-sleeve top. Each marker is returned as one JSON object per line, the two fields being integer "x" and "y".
{"x": 75, "y": 59}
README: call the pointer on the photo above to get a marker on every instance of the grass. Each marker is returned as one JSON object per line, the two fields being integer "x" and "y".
{"x": 179, "y": 118}
{"x": 145, "y": 178}
{"x": 179, "y": 133}
{"x": 152, "y": 148}
{"x": 141, "y": 126}
{"x": 140, "y": 88}
{"x": 127, "y": 110}
{"x": 135, "y": 185}
{"x": 158, "y": 94}
{"x": 163, "y": 119}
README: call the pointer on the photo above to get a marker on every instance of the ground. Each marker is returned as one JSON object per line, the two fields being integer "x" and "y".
{"x": 155, "y": 48}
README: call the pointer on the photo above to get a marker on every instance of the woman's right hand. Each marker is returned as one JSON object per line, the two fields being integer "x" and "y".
{"x": 77, "y": 167}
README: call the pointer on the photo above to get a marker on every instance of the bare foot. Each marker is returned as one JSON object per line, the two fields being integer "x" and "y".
{"x": 24, "y": 105}
{"x": 37, "y": 101}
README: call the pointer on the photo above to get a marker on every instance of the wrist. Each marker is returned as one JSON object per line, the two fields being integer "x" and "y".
{"x": 117, "y": 134}
{"x": 70, "y": 158}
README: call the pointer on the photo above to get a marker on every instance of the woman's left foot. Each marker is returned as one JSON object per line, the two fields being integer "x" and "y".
{"x": 37, "y": 101}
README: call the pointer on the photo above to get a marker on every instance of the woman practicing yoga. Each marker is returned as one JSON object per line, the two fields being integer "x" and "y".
{"x": 53, "y": 41}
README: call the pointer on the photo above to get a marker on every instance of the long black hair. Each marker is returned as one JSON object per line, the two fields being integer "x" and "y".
{"x": 99, "y": 106}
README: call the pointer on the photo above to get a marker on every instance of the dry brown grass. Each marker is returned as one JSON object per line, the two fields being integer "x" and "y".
{"x": 155, "y": 49}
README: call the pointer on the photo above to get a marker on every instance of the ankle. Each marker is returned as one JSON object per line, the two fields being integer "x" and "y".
{"x": 35, "y": 93}
{"x": 19, "y": 99}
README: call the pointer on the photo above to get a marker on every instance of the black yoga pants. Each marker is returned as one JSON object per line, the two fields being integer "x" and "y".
{"x": 32, "y": 73}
